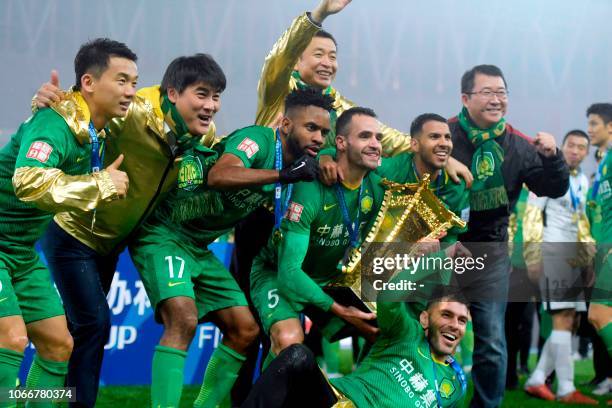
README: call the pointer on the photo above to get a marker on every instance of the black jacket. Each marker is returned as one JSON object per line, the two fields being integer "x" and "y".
{"x": 522, "y": 164}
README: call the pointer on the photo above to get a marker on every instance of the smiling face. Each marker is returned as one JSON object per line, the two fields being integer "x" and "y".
{"x": 433, "y": 145}
{"x": 575, "y": 148}
{"x": 444, "y": 324}
{"x": 197, "y": 105}
{"x": 485, "y": 111}
{"x": 112, "y": 92}
{"x": 362, "y": 143}
{"x": 318, "y": 65}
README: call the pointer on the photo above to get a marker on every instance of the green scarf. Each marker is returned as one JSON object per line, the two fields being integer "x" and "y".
{"x": 192, "y": 199}
{"x": 488, "y": 191}
{"x": 330, "y": 139}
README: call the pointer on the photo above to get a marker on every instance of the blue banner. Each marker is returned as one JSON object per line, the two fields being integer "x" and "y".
{"x": 134, "y": 332}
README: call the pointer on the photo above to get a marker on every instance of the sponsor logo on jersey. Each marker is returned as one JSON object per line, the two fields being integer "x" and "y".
{"x": 249, "y": 147}
{"x": 366, "y": 204}
{"x": 447, "y": 388}
{"x": 294, "y": 212}
{"x": 329, "y": 206}
{"x": 171, "y": 284}
{"x": 190, "y": 174}
{"x": 40, "y": 151}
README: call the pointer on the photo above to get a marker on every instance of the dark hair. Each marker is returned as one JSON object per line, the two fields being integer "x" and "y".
{"x": 93, "y": 57}
{"x": 417, "y": 124}
{"x": 447, "y": 294}
{"x": 344, "y": 121}
{"x": 326, "y": 34}
{"x": 467, "y": 80}
{"x": 579, "y": 133}
{"x": 603, "y": 110}
{"x": 308, "y": 97}
{"x": 188, "y": 70}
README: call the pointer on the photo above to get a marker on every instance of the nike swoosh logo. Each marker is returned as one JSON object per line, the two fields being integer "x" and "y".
{"x": 302, "y": 164}
{"x": 3, "y": 299}
{"x": 171, "y": 284}
{"x": 327, "y": 207}
{"x": 79, "y": 159}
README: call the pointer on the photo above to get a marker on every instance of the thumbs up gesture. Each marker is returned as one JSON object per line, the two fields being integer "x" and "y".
{"x": 49, "y": 92}
{"x": 119, "y": 178}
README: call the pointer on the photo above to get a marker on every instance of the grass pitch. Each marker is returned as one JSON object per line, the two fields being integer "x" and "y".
{"x": 114, "y": 397}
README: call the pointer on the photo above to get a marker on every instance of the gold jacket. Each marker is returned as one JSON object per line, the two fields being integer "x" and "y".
{"x": 150, "y": 166}
{"x": 50, "y": 188}
{"x": 276, "y": 83}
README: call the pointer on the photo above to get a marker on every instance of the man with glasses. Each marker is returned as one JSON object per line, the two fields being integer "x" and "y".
{"x": 501, "y": 159}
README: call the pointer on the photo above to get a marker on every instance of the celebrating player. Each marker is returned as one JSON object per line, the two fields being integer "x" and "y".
{"x": 321, "y": 224}
{"x": 409, "y": 365}
{"x": 185, "y": 282}
{"x": 53, "y": 164}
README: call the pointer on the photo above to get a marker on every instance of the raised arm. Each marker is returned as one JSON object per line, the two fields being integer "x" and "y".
{"x": 275, "y": 78}
{"x": 545, "y": 171}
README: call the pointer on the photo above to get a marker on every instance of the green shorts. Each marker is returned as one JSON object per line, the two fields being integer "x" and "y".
{"x": 169, "y": 269}
{"x": 26, "y": 289}
{"x": 274, "y": 307}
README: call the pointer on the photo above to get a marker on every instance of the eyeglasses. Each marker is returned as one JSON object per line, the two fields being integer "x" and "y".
{"x": 487, "y": 93}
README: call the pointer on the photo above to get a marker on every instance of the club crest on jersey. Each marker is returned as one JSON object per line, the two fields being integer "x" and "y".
{"x": 447, "y": 388}
{"x": 485, "y": 164}
{"x": 190, "y": 174}
{"x": 366, "y": 204}
{"x": 294, "y": 212}
{"x": 248, "y": 146}
{"x": 40, "y": 151}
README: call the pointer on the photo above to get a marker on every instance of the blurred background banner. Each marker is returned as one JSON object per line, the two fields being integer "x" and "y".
{"x": 400, "y": 57}
{"x": 134, "y": 332}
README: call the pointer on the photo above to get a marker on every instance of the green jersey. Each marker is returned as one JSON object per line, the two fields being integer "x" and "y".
{"x": 399, "y": 371}
{"x": 455, "y": 197}
{"x": 603, "y": 259}
{"x": 604, "y": 197}
{"x": 43, "y": 141}
{"x": 516, "y": 224}
{"x": 593, "y": 212}
{"x": 316, "y": 238}
{"x": 255, "y": 147}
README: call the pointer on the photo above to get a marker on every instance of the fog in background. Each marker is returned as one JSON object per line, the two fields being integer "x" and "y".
{"x": 400, "y": 57}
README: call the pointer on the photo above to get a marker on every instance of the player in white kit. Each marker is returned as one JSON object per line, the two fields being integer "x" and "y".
{"x": 564, "y": 232}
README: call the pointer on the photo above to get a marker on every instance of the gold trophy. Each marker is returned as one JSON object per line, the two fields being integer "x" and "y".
{"x": 408, "y": 213}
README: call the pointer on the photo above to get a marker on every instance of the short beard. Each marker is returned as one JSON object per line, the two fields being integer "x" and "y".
{"x": 294, "y": 148}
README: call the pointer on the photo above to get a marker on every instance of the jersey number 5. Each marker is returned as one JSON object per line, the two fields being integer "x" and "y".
{"x": 273, "y": 298}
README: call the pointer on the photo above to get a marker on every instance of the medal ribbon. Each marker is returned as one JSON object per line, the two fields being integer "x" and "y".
{"x": 280, "y": 207}
{"x": 351, "y": 226}
{"x": 97, "y": 149}
{"x": 575, "y": 197}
